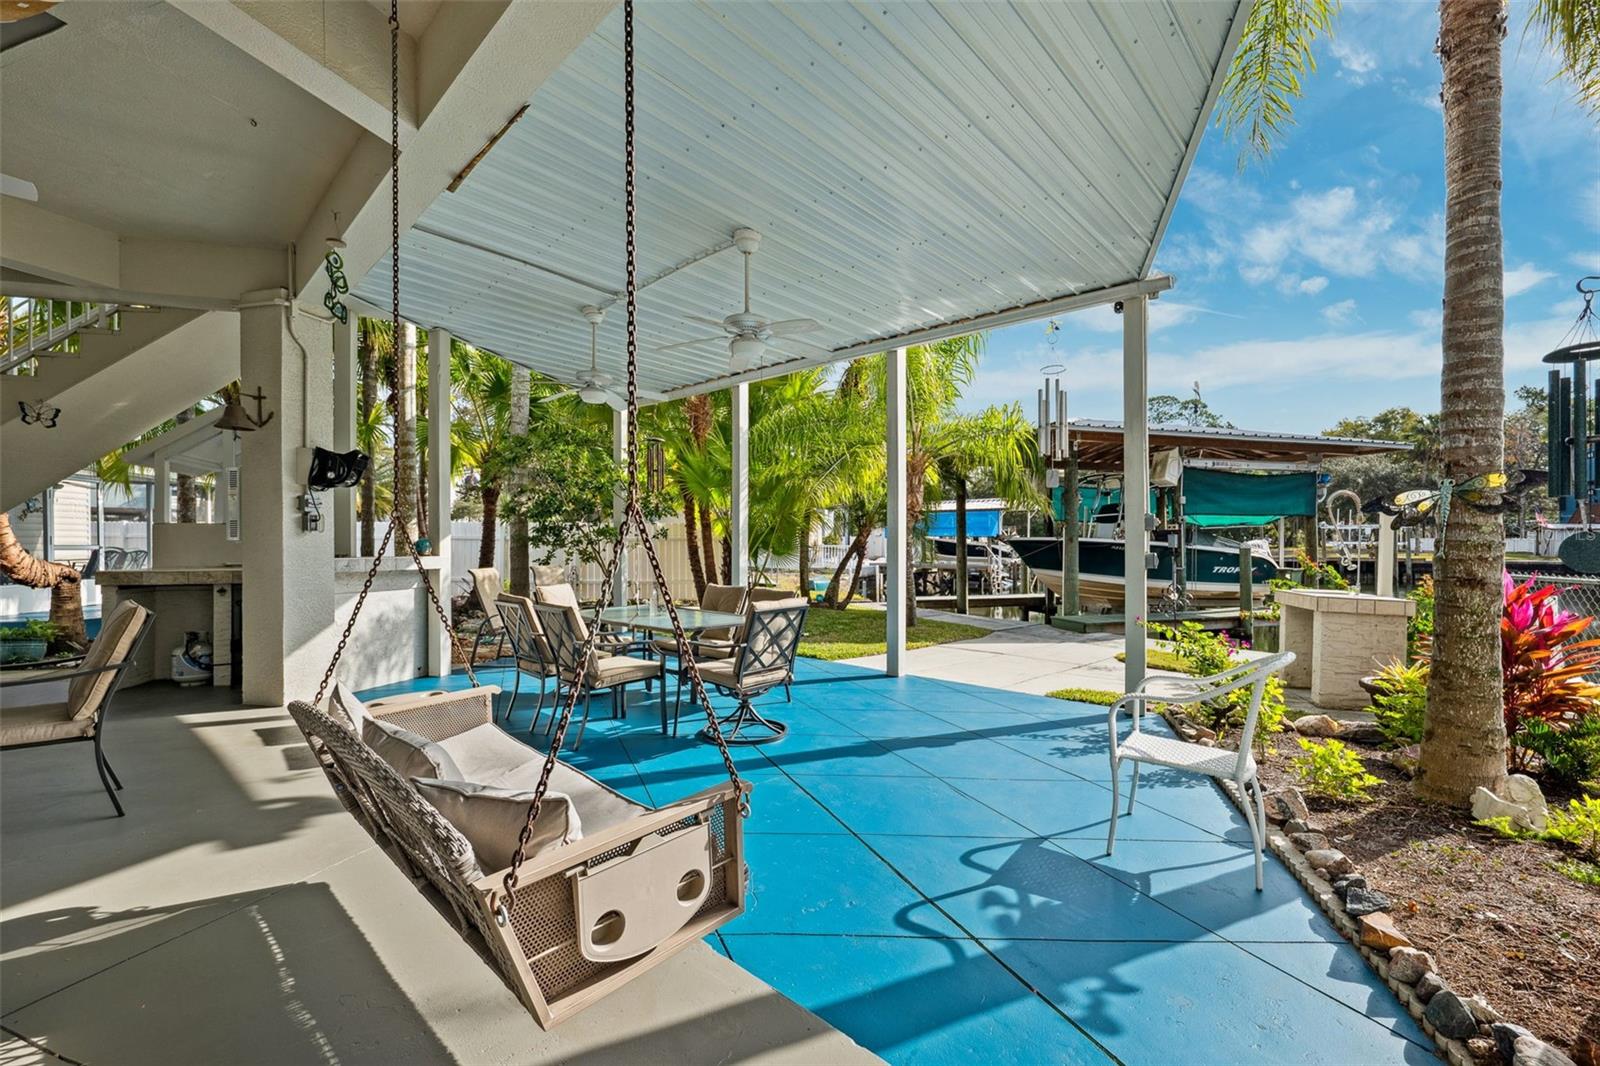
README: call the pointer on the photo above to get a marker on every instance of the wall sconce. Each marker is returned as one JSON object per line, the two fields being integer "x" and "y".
{"x": 235, "y": 417}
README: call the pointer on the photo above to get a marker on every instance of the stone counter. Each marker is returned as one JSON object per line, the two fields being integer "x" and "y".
{"x": 1338, "y": 638}
{"x": 202, "y": 599}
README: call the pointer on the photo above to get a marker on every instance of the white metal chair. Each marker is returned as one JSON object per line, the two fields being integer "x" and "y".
{"x": 1236, "y": 766}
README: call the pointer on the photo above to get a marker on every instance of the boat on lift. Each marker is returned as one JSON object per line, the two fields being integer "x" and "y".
{"x": 1211, "y": 570}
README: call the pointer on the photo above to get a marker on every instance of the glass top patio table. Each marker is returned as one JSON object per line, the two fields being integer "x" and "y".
{"x": 656, "y": 620}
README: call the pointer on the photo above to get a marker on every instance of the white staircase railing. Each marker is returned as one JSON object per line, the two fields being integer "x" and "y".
{"x": 32, "y": 327}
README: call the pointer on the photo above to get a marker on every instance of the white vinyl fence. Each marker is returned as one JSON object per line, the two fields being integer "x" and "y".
{"x": 466, "y": 539}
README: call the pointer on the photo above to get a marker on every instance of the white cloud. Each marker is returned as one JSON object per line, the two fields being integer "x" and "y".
{"x": 1341, "y": 312}
{"x": 1520, "y": 279}
{"x": 1586, "y": 260}
{"x": 1356, "y": 64}
{"x": 1342, "y": 233}
{"x": 1312, "y": 286}
{"x": 1432, "y": 318}
{"x": 1164, "y": 314}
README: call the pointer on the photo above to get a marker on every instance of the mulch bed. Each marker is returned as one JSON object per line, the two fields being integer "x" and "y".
{"x": 1493, "y": 913}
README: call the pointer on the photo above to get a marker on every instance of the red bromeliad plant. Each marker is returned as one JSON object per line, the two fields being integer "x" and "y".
{"x": 1546, "y": 670}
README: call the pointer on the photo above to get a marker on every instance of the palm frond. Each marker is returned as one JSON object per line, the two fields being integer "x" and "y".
{"x": 1571, "y": 29}
{"x": 1266, "y": 77}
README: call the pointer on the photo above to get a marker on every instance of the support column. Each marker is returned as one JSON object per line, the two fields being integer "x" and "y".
{"x": 161, "y": 494}
{"x": 441, "y": 494}
{"x": 619, "y": 453}
{"x": 1135, "y": 485}
{"x": 739, "y": 490}
{"x": 896, "y": 535}
{"x": 288, "y": 573}
{"x": 344, "y": 432}
{"x": 1384, "y": 583}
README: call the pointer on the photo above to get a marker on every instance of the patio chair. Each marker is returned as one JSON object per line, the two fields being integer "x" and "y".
{"x": 761, "y": 660}
{"x": 1236, "y": 766}
{"x": 561, "y": 594}
{"x": 486, "y": 587}
{"x": 94, "y": 684}
{"x": 565, "y": 633}
{"x": 717, "y": 642}
{"x": 529, "y": 649}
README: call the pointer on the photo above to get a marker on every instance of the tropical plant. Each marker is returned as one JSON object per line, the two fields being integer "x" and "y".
{"x": 1203, "y": 653}
{"x": 1419, "y": 629}
{"x": 1332, "y": 770}
{"x": 1545, "y": 667}
{"x": 1577, "y": 825}
{"x": 480, "y": 429}
{"x": 1319, "y": 575}
{"x": 1465, "y": 743}
{"x": 34, "y": 629}
{"x": 1401, "y": 705}
{"x": 1569, "y": 756}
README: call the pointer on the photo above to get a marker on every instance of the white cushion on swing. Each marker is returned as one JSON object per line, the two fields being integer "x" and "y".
{"x": 487, "y": 755}
{"x": 411, "y": 754}
{"x": 348, "y": 704}
{"x": 492, "y": 818}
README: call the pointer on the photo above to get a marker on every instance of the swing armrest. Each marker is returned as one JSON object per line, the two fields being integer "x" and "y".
{"x": 439, "y": 715}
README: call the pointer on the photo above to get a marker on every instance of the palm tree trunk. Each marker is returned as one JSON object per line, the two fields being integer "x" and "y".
{"x": 64, "y": 582}
{"x": 1464, "y": 741}
{"x": 916, "y": 486}
{"x": 691, "y": 540}
{"x": 804, "y": 552}
{"x": 186, "y": 486}
{"x": 405, "y": 439}
{"x": 517, "y": 560}
{"x": 369, "y": 401}
{"x": 708, "y": 546}
{"x": 491, "y": 512}
{"x": 857, "y": 551}
{"x": 727, "y": 559}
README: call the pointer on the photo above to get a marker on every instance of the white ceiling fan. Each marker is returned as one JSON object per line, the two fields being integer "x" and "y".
{"x": 747, "y": 333}
{"x": 594, "y": 384}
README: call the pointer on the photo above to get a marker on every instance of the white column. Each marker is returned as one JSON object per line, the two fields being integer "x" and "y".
{"x": 739, "y": 489}
{"x": 1385, "y": 578}
{"x": 1135, "y": 484}
{"x": 161, "y": 494}
{"x": 344, "y": 431}
{"x": 619, "y": 453}
{"x": 441, "y": 493}
{"x": 896, "y": 536}
{"x": 288, "y": 573}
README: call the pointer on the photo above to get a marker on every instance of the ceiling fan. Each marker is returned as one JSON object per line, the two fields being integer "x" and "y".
{"x": 747, "y": 333}
{"x": 593, "y": 385}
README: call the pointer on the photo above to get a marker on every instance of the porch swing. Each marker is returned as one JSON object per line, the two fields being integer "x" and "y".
{"x": 576, "y": 919}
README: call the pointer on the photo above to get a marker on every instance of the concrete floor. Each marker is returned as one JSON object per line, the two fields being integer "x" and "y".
{"x": 239, "y": 915}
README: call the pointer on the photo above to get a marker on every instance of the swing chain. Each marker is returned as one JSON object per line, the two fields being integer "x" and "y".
{"x": 632, "y": 519}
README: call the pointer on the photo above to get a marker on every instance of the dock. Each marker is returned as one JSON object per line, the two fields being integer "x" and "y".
{"x": 1210, "y": 617}
{"x": 1029, "y": 601}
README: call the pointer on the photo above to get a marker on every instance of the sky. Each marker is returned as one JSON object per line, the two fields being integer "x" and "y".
{"x": 1309, "y": 286}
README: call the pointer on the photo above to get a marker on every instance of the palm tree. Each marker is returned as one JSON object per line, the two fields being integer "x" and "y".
{"x": 1464, "y": 739}
{"x": 404, "y": 410}
{"x": 481, "y": 394}
{"x": 375, "y": 339}
{"x": 521, "y": 411}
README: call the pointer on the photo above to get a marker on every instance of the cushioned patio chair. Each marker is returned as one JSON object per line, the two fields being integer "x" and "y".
{"x": 566, "y": 633}
{"x": 486, "y": 587}
{"x": 1157, "y": 750}
{"x": 94, "y": 684}
{"x": 761, "y": 660}
{"x": 724, "y": 599}
{"x": 529, "y": 649}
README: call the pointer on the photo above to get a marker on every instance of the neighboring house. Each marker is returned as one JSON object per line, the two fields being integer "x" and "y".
{"x": 65, "y": 524}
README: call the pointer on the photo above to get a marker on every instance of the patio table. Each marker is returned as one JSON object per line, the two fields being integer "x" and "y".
{"x": 642, "y": 617}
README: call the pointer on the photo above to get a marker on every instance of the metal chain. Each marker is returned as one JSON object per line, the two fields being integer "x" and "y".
{"x": 394, "y": 389}
{"x": 632, "y": 519}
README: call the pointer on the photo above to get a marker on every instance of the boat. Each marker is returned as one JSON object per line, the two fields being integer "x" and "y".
{"x": 1211, "y": 569}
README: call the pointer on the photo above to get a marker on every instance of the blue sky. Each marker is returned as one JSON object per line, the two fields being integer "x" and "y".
{"x": 1309, "y": 286}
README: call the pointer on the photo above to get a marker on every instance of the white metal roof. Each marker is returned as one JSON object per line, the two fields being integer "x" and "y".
{"x": 908, "y": 165}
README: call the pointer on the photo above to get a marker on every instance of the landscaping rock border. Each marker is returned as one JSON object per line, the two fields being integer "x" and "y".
{"x": 1453, "y": 1021}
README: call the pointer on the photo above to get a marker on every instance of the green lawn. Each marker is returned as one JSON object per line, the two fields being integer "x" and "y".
{"x": 1155, "y": 659}
{"x": 854, "y": 632}
{"x": 1159, "y": 659}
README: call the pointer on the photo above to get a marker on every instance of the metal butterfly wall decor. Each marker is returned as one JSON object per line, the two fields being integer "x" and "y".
{"x": 39, "y": 413}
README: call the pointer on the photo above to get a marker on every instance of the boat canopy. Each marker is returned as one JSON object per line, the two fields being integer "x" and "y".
{"x": 983, "y": 519}
{"x": 1218, "y": 498}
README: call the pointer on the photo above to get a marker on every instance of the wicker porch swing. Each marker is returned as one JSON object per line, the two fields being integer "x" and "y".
{"x": 567, "y": 923}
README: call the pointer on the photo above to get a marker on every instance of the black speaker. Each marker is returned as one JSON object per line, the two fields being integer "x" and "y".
{"x": 332, "y": 470}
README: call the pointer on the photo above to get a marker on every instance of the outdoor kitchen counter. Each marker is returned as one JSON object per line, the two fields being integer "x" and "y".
{"x": 1338, "y": 638}
{"x": 197, "y": 599}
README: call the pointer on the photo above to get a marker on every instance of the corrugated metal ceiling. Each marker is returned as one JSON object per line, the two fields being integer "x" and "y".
{"x": 907, "y": 164}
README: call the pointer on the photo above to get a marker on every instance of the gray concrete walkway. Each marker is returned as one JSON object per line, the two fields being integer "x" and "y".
{"x": 239, "y": 915}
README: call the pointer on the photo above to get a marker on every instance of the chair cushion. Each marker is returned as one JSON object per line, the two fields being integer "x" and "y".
{"x": 348, "y": 710}
{"x": 486, "y": 585}
{"x": 618, "y": 669}
{"x": 549, "y": 574}
{"x": 492, "y": 818}
{"x": 668, "y": 646}
{"x": 722, "y": 672}
{"x": 1181, "y": 755}
{"x": 40, "y": 722}
{"x": 115, "y": 641}
{"x": 558, "y": 594}
{"x": 411, "y": 754}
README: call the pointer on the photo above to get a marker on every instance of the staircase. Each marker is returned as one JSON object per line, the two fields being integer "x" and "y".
{"x": 31, "y": 328}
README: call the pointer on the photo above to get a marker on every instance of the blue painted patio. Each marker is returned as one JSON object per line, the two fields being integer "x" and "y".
{"x": 928, "y": 873}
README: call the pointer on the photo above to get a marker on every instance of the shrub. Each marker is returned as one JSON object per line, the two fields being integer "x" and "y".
{"x": 1100, "y": 696}
{"x": 1204, "y": 653}
{"x": 1402, "y": 703}
{"x": 1577, "y": 826}
{"x": 1570, "y": 755}
{"x": 1330, "y": 769}
{"x": 1319, "y": 575}
{"x": 1544, "y": 666}
{"x": 38, "y": 629}
{"x": 1419, "y": 630}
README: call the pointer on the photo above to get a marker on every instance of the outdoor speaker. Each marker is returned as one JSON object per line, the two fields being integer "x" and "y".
{"x": 333, "y": 470}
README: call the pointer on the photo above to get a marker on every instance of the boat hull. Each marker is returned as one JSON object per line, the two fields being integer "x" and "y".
{"x": 1212, "y": 573}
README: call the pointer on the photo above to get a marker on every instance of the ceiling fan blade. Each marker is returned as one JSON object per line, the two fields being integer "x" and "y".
{"x": 792, "y": 343}
{"x": 714, "y": 323}
{"x": 691, "y": 344}
{"x": 615, "y": 402}
{"x": 790, "y": 326}
{"x": 556, "y": 396}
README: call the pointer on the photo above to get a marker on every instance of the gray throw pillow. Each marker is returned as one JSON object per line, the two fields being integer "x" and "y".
{"x": 411, "y": 754}
{"x": 492, "y": 818}
{"x": 345, "y": 702}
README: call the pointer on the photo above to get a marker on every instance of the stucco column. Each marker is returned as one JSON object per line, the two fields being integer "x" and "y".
{"x": 739, "y": 488}
{"x": 619, "y": 453}
{"x": 441, "y": 493}
{"x": 1135, "y": 484}
{"x": 288, "y": 573}
{"x": 896, "y": 536}
{"x": 344, "y": 431}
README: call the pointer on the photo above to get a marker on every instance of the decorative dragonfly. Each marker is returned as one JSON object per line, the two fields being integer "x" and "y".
{"x": 40, "y": 413}
{"x": 1491, "y": 493}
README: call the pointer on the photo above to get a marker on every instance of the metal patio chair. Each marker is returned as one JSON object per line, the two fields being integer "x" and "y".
{"x": 530, "y": 650}
{"x": 761, "y": 660}
{"x": 566, "y": 633}
{"x": 486, "y": 587}
{"x": 1236, "y": 766}
{"x": 94, "y": 684}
